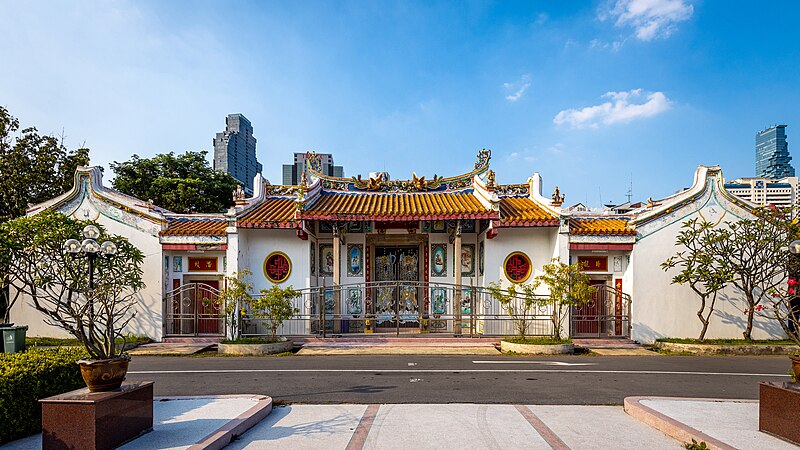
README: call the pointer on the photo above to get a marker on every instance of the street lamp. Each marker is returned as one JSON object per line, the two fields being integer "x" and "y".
{"x": 90, "y": 249}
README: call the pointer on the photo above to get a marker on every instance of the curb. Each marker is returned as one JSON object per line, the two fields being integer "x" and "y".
{"x": 235, "y": 427}
{"x": 712, "y": 349}
{"x": 671, "y": 427}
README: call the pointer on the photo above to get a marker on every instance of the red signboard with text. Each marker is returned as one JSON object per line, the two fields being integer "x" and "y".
{"x": 202, "y": 264}
{"x": 593, "y": 263}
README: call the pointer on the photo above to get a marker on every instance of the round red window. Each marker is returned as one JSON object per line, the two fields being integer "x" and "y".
{"x": 517, "y": 267}
{"x": 277, "y": 267}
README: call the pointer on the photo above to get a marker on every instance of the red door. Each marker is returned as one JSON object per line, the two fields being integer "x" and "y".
{"x": 208, "y": 318}
{"x": 587, "y": 316}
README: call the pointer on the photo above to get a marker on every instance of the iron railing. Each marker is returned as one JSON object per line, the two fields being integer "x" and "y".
{"x": 402, "y": 307}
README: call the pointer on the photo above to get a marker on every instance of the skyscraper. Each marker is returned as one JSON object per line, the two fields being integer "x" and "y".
{"x": 235, "y": 151}
{"x": 291, "y": 172}
{"x": 772, "y": 153}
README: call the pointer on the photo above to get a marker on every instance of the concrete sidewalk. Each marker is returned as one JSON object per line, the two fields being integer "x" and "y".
{"x": 250, "y": 422}
{"x": 721, "y": 424}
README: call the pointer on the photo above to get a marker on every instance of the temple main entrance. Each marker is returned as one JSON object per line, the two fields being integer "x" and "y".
{"x": 397, "y": 295}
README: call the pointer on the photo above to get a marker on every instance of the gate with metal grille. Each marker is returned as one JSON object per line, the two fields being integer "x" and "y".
{"x": 192, "y": 310}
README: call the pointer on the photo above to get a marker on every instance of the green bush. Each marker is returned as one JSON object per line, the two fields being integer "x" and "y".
{"x": 27, "y": 377}
{"x": 536, "y": 340}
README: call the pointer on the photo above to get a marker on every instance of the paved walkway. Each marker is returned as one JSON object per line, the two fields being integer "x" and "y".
{"x": 650, "y": 422}
{"x": 170, "y": 348}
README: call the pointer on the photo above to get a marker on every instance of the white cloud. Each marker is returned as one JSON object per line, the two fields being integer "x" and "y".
{"x": 651, "y": 19}
{"x": 619, "y": 109}
{"x": 517, "y": 89}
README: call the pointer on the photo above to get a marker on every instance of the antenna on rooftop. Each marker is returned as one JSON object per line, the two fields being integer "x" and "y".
{"x": 630, "y": 189}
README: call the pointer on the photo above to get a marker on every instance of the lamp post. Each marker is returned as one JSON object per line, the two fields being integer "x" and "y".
{"x": 90, "y": 249}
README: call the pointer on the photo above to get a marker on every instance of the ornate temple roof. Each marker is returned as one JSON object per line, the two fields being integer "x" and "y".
{"x": 524, "y": 212}
{"x": 383, "y": 206}
{"x": 270, "y": 213}
{"x": 600, "y": 226}
{"x": 195, "y": 226}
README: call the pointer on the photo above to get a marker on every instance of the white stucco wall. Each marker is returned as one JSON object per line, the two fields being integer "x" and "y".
{"x": 256, "y": 244}
{"x": 149, "y": 307}
{"x": 661, "y": 309}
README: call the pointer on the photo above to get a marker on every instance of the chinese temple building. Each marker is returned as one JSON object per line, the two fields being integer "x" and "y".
{"x": 405, "y": 256}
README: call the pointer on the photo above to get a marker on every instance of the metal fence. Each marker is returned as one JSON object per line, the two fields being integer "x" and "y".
{"x": 192, "y": 310}
{"x": 402, "y": 308}
{"x": 607, "y": 315}
{"x": 390, "y": 307}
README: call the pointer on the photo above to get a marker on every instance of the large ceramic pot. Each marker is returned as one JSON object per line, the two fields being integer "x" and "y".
{"x": 796, "y": 367}
{"x": 102, "y": 375}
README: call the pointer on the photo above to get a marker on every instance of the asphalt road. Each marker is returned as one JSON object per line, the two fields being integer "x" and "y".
{"x": 588, "y": 380}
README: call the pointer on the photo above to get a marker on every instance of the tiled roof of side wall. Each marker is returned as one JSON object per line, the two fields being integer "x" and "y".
{"x": 270, "y": 213}
{"x": 524, "y": 212}
{"x": 601, "y": 226}
{"x": 190, "y": 226}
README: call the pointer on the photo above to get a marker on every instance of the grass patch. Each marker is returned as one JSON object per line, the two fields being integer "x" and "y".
{"x": 537, "y": 340}
{"x": 727, "y": 341}
{"x": 251, "y": 341}
{"x": 72, "y": 342}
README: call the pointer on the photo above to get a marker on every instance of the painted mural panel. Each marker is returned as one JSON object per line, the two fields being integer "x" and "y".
{"x": 326, "y": 260}
{"x": 439, "y": 260}
{"x": 313, "y": 258}
{"x": 467, "y": 260}
{"x": 355, "y": 260}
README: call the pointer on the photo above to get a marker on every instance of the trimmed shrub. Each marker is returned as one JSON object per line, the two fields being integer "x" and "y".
{"x": 27, "y": 377}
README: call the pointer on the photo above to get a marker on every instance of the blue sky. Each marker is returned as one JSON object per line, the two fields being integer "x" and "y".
{"x": 593, "y": 95}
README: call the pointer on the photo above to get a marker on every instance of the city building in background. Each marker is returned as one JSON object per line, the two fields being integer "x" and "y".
{"x": 765, "y": 191}
{"x": 292, "y": 172}
{"x": 235, "y": 151}
{"x": 772, "y": 154}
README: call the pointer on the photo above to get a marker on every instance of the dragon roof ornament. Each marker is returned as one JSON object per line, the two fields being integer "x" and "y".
{"x": 415, "y": 184}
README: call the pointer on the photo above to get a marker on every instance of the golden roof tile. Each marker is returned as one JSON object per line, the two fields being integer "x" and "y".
{"x": 270, "y": 213}
{"x": 524, "y": 212}
{"x": 195, "y": 226}
{"x": 397, "y": 206}
{"x": 601, "y": 226}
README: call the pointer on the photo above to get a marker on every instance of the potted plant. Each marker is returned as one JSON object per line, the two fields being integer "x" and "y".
{"x": 86, "y": 288}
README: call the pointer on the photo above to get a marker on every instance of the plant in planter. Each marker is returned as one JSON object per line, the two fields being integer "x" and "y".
{"x": 232, "y": 297}
{"x": 568, "y": 287}
{"x": 274, "y": 307}
{"x": 518, "y": 301}
{"x": 86, "y": 288}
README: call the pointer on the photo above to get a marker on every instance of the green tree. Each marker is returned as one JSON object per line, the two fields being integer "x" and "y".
{"x": 33, "y": 168}
{"x": 274, "y": 306}
{"x": 57, "y": 283}
{"x": 754, "y": 252}
{"x": 699, "y": 267}
{"x": 183, "y": 183}
{"x": 568, "y": 286}
{"x": 518, "y": 301}
{"x": 235, "y": 294}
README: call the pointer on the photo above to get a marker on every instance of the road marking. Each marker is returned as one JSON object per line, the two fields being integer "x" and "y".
{"x": 544, "y": 363}
{"x": 453, "y": 371}
{"x": 544, "y": 431}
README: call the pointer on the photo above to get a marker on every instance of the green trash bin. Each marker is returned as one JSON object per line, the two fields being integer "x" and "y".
{"x": 14, "y": 338}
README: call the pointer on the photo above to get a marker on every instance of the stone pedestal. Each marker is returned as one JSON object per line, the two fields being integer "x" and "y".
{"x": 97, "y": 420}
{"x": 779, "y": 410}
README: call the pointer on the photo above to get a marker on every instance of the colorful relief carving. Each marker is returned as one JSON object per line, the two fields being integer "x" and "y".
{"x": 177, "y": 263}
{"x": 480, "y": 258}
{"x": 517, "y": 267}
{"x": 277, "y": 267}
{"x": 313, "y": 257}
{"x": 354, "y": 303}
{"x": 439, "y": 301}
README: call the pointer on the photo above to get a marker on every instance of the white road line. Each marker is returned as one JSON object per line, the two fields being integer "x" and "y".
{"x": 621, "y": 372}
{"x": 544, "y": 363}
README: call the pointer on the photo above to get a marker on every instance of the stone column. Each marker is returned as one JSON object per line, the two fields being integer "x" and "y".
{"x": 337, "y": 273}
{"x": 457, "y": 291}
